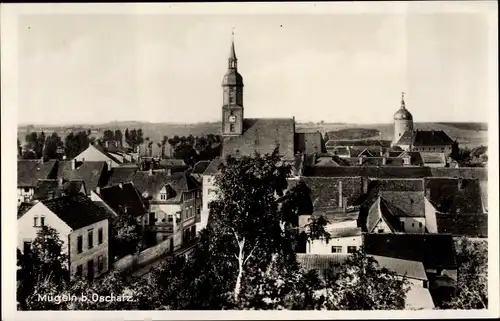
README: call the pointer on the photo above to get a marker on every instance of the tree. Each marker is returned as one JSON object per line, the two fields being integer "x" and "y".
{"x": 76, "y": 143}
{"x": 163, "y": 144}
{"x": 52, "y": 144}
{"x": 108, "y": 136}
{"x": 40, "y": 145}
{"x": 360, "y": 283}
{"x": 472, "y": 287}
{"x": 118, "y": 137}
{"x": 42, "y": 270}
{"x": 250, "y": 217}
{"x": 126, "y": 234}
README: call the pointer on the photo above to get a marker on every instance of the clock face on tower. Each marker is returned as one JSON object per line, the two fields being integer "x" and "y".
{"x": 232, "y": 119}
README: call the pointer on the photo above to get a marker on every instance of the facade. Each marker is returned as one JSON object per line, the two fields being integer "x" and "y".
{"x": 82, "y": 226}
{"x": 342, "y": 241}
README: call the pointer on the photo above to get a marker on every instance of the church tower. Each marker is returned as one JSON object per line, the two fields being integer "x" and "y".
{"x": 232, "y": 99}
{"x": 403, "y": 121}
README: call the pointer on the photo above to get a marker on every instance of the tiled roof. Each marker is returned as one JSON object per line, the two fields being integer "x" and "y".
{"x": 89, "y": 172}
{"x": 341, "y": 151}
{"x": 46, "y": 186}
{"x": 463, "y": 172}
{"x": 153, "y": 183}
{"x": 76, "y": 211}
{"x": 124, "y": 198}
{"x": 451, "y": 195}
{"x": 345, "y": 232}
{"x": 415, "y": 158}
{"x": 121, "y": 175}
{"x": 109, "y": 155}
{"x": 398, "y": 184}
{"x": 433, "y": 158}
{"x": 337, "y": 216}
{"x": 410, "y": 269}
{"x": 200, "y": 167}
{"x": 172, "y": 162}
{"x": 362, "y": 143}
{"x": 425, "y": 138}
{"x": 74, "y": 187}
{"x": 404, "y": 204}
{"x": 23, "y": 208}
{"x": 368, "y": 171}
{"x": 433, "y": 250}
{"x": 213, "y": 168}
{"x": 308, "y": 142}
{"x": 325, "y": 190}
{"x": 30, "y": 171}
{"x": 378, "y": 211}
{"x": 471, "y": 225}
{"x": 326, "y": 161}
{"x": 262, "y": 135}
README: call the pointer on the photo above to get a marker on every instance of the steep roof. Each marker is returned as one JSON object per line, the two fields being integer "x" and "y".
{"x": 433, "y": 250}
{"x": 325, "y": 190}
{"x": 480, "y": 173}
{"x": 105, "y": 152}
{"x": 76, "y": 211}
{"x": 404, "y": 204}
{"x": 124, "y": 198}
{"x": 262, "y": 135}
{"x": 471, "y": 225}
{"x": 30, "y": 171}
{"x": 408, "y": 268}
{"x": 23, "y": 208}
{"x": 45, "y": 186}
{"x": 454, "y": 195}
{"x": 200, "y": 167}
{"x": 121, "y": 175}
{"x": 213, "y": 167}
{"x": 153, "y": 183}
{"x": 425, "y": 138}
{"x": 89, "y": 172}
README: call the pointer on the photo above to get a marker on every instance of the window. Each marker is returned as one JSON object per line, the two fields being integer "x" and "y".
{"x": 42, "y": 221}
{"x": 170, "y": 218}
{"x": 403, "y": 225}
{"x": 412, "y": 224}
{"x": 100, "y": 263}
{"x": 163, "y": 197}
{"x": 91, "y": 239}
{"x": 79, "y": 270}
{"x": 100, "y": 236}
{"x": 231, "y": 128}
{"x": 351, "y": 249}
{"x": 198, "y": 210}
{"x": 26, "y": 247}
{"x": 336, "y": 249}
{"x": 79, "y": 245}
{"x": 380, "y": 230}
{"x": 420, "y": 224}
{"x": 26, "y": 189}
{"x": 35, "y": 221}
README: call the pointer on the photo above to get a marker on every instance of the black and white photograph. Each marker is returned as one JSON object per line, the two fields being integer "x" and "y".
{"x": 250, "y": 158}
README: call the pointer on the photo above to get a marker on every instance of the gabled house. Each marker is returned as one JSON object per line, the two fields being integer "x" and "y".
{"x": 93, "y": 173}
{"x": 28, "y": 174}
{"x": 95, "y": 153}
{"x": 82, "y": 226}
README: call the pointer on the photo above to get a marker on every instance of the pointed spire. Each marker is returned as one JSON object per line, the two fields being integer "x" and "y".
{"x": 232, "y": 54}
{"x": 403, "y": 105}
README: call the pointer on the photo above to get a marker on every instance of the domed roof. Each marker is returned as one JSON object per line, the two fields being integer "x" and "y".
{"x": 403, "y": 114}
{"x": 232, "y": 77}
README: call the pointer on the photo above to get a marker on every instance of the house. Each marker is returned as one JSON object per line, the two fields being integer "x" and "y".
{"x": 120, "y": 200}
{"x": 82, "y": 226}
{"x": 426, "y": 141}
{"x": 173, "y": 203}
{"x": 342, "y": 241}
{"x": 28, "y": 174}
{"x": 95, "y": 153}
{"x": 435, "y": 251}
{"x": 209, "y": 191}
{"x": 418, "y": 296}
{"x": 93, "y": 173}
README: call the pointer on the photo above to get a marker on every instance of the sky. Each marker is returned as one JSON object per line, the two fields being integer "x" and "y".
{"x": 95, "y": 68}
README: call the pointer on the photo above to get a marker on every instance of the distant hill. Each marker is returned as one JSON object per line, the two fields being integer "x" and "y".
{"x": 471, "y": 134}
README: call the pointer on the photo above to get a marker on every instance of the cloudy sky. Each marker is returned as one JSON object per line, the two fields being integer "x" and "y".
{"x": 92, "y": 68}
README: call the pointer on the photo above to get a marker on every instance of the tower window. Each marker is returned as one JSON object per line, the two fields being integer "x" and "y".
{"x": 231, "y": 128}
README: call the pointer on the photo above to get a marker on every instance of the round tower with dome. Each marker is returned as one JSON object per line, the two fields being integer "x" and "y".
{"x": 403, "y": 121}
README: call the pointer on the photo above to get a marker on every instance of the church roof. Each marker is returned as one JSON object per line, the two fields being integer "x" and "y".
{"x": 425, "y": 138}
{"x": 232, "y": 77}
{"x": 262, "y": 135}
{"x": 403, "y": 114}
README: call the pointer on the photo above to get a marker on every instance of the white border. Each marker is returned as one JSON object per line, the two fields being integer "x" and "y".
{"x": 8, "y": 18}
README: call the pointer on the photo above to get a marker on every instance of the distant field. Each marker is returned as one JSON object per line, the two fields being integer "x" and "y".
{"x": 469, "y": 134}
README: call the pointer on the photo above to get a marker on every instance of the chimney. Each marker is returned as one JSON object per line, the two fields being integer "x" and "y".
{"x": 73, "y": 164}
{"x": 98, "y": 190}
{"x": 460, "y": 183}
{"x": 60, "y": 182}
{"x": 384, "y": 160}
{"x": 150, "y": 171}
{"x": 361, "y": 160}
{"x": 341, "y": 196}
{"x": 365, "y": 185}
{"x": 41, "y": 160}
{"x": 64, "y": 157}
{"x": 120, "y": 185}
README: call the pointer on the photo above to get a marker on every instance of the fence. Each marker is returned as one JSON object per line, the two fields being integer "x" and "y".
{"x": 144, "y": 257}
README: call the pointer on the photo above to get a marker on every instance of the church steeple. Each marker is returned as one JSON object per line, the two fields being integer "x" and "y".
{"x": 403, "y": 105}
{"x": 232, "y": 61}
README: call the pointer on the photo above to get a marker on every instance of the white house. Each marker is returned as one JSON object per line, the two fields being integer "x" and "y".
{"x": 82, "y": 226}
{"x": 98, "y": 154}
